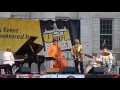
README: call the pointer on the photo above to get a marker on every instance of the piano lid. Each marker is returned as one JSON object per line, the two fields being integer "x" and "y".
{"x": 29, "y": 47}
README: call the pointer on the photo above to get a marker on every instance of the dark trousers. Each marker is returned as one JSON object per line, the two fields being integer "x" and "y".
{"x": 7, "y": 68}
{"x": 81, "y": 66}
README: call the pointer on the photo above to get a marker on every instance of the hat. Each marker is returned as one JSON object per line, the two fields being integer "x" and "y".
{"x": 76, "y": 40}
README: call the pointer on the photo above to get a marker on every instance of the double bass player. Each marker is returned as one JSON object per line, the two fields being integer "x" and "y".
{"x": 55, "y": 51}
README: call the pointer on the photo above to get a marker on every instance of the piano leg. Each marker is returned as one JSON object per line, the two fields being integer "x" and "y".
{"x": 29, "y": 64}
{"x": 19, "y": 64}
{"x": 38, "y": 64}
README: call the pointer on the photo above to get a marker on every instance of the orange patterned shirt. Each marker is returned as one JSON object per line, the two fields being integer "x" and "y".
{"x": 52, "y": 50}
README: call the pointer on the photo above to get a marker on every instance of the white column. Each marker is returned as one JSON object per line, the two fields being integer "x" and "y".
{"x": 5, "y": 14}
{"x": 116, "y": 35}
{"x": 43, "y": 15}
{"x": 20, "y": 14}
{"x": 67, "y": 14}
{"x": 86, "y": 31}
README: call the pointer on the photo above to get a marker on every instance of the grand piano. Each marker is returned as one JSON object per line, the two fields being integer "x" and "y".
{"x": 28, "y": 54}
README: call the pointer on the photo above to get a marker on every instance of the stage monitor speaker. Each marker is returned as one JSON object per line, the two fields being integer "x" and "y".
{"x": 24, "y": 70}
{"x": 52, "y": 70}
{"x": 97, "y": 70}
{"x": 69, "y": 70}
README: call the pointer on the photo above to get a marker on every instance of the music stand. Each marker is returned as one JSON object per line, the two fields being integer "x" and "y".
{"x": 49, "y": 58}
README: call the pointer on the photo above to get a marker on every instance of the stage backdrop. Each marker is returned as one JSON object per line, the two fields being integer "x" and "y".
{"x": 15, "y": 32}
{"x": 66, "y": 31}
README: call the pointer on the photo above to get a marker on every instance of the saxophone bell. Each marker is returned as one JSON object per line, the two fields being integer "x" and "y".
{"x": 76, "y": 56}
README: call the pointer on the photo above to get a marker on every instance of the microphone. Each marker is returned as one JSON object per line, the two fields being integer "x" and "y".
{"x": 87, "y": 43}
{"x": 66, "y": 43}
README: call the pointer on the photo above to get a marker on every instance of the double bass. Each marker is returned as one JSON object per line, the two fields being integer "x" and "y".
{"x": 60, "y": 60}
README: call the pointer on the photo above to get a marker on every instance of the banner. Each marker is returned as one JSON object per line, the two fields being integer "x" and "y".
{"x": 15, "y": 32}
{"x": 66, "y": 31}
{"x": 57, "y": 76}
{"x": 27, "y": 76}
{"x": 49, "y": 76}
{"x": 71, "y": 76}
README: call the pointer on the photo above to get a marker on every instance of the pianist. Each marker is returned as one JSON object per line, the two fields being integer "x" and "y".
{"x": 8, "y": 59}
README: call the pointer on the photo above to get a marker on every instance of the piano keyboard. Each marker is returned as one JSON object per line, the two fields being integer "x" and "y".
{"x": 19, "y": 60}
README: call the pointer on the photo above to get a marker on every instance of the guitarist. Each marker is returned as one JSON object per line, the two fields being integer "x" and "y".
{"x": 77, "y": 54}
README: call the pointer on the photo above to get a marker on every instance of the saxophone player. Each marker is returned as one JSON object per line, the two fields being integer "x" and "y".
{"x": 77, "y": 54}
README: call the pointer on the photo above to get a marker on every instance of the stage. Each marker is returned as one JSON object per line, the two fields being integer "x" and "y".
{"x": 57, "y": 76}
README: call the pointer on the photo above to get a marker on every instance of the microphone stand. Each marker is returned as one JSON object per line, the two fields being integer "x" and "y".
{"x": 67, "y": 50}
{"x": 87, "y": 49}
{"x": 116, "y": 62}
{"x": 116, "y": 59}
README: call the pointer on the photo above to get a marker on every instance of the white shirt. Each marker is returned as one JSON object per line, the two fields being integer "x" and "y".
{"x": 8, "y": 58}
{"x": 106, "y": 58}
{"x": 111, "y": 58}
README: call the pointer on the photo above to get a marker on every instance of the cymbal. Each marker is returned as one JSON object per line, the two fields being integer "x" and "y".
{"x": 105, "y": 54}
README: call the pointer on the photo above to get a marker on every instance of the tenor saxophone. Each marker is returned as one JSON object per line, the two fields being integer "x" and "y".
{"x": 77, "y": 54}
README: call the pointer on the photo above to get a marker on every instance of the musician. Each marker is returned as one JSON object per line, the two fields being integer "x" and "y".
{"x": 52, "y": 50}
{"x": 97, "y": 62}
{"x": 59, "y": 55}
{"x": 60, "y": 60}
{"x": 77, "y": 54}
{"x": 8, "y": 59}
{"x": 107, "y": 58}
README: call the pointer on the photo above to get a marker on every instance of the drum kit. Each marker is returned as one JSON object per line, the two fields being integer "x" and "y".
{"x": 92, "y": 64}
{"x": 96, "y": 62}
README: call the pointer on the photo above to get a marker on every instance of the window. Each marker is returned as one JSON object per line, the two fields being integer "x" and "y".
{"x": 106, "y": 33}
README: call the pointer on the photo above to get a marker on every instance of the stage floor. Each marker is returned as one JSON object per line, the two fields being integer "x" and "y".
{"x": 57, "y": 76}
